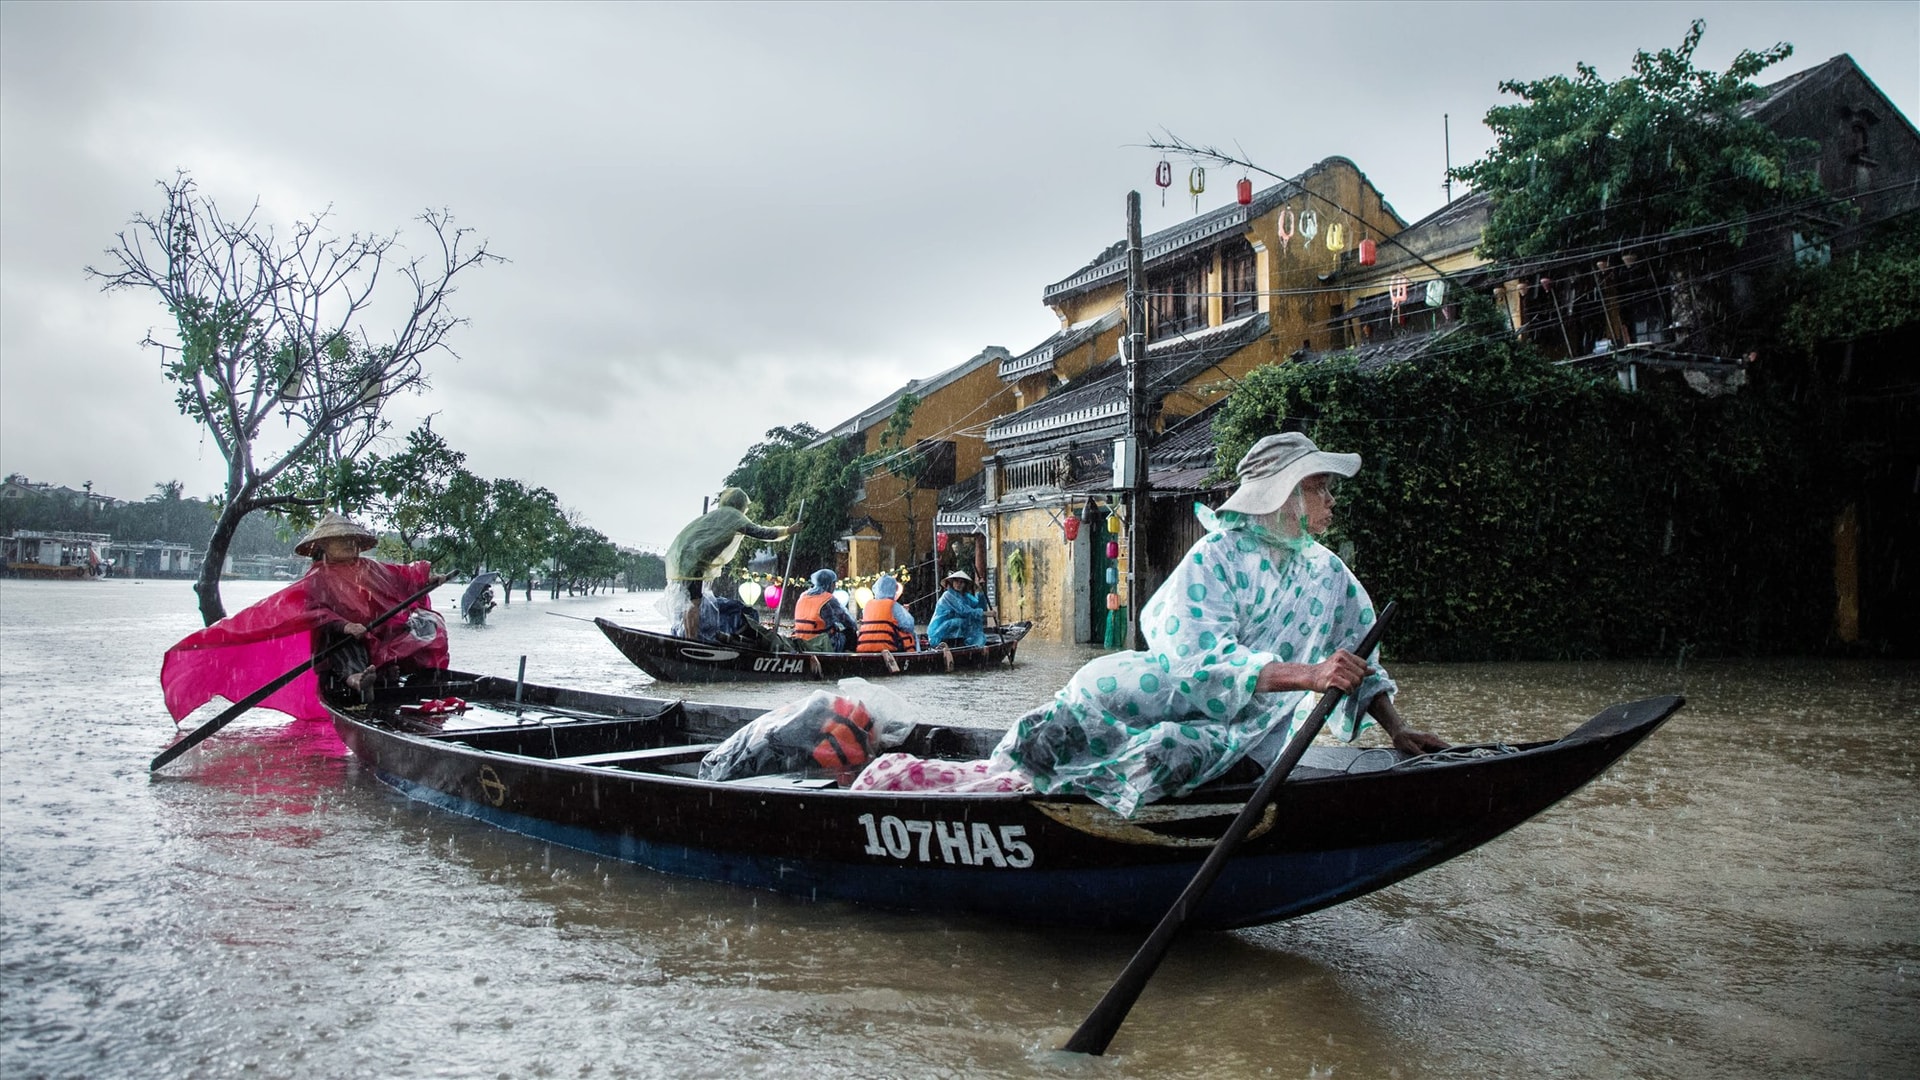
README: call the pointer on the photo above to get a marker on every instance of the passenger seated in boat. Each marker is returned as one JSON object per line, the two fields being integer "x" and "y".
{"x": 704, "y": 548}
{"x": 337, "y": 597}
{"x": 960, "y": 618}
{"x": 820, "y": 621}
{"x": 1245, "y": 634}
{"x": 885, "y": 624}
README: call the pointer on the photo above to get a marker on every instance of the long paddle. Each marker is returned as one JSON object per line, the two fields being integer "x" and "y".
{"x": 197, "y": 735}
{"x": 1098, "y": 1029}
{"x": 791, "y": 548}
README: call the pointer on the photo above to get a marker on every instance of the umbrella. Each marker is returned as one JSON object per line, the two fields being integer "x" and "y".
{"x": 475, "y": 588}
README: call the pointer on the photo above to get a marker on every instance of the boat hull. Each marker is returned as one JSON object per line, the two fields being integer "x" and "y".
{"x": 678, "y": 659}
{"x": 1331, "y": 835}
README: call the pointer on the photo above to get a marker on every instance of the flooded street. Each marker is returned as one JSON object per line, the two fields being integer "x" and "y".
{"x": 1739, "y": 897}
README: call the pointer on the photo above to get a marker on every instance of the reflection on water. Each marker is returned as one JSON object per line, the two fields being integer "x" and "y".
{"x": 1737, "y": 898}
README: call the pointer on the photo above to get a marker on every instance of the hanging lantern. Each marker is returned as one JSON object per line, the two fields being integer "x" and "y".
{"x": 1397, "y": 290}
{"x": 1196, "y": 183}
{"x": 1113, "y": 601}
{"x": 1369, "y": 252}
{"x": 842, "y": 597}
{"x": 1113, "y": 523}
{"x": 1071, "y": 527}
{"x": 1436, "y": 292}
{"x": 940, "y": 542}
{"x": 1163, "y": 176}
{"x": 1113, "y": 575}
{"x": 1243, "y": 192}
{"x": 1336, "y": 237}
{"x": 1309, "y": 226}
{"x": 1283, "y": 223}
{"x": 749, "y": 593}
{"x": 863, "y": 596}
{"x": 1113, "y": 549}
{"x": 772, "y": 596}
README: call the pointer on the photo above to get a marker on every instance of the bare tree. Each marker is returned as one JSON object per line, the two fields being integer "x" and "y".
{"x": 270, "y": 328}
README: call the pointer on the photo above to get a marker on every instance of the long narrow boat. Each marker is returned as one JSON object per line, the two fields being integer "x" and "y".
{"x": 617, "y": 776}
{"x": 678, "y": 659}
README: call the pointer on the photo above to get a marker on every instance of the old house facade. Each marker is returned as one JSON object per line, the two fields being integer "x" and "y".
{"x": 891, "y": 522}
{"x": 1226, "y": 292}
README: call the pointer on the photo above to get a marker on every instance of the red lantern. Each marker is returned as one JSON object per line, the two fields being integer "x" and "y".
{"x": 1243, "y": 191}
{"x": 1368, "y": 252}
{"x": 1113, "y": 549}
{"x": 1072, "y": 528}
{"x": 940, "y": 542}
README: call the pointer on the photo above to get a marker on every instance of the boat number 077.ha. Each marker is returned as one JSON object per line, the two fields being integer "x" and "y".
{"x": 952, "y": 841}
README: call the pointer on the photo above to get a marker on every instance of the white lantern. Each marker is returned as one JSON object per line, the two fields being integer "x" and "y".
{"x": 843, "y": 596}
{"x": 749, "y": 592}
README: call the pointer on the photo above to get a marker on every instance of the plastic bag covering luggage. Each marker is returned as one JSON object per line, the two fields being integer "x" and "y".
{"x": 828, "y": 731}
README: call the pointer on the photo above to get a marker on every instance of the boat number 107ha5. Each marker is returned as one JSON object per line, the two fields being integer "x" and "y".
{"x": 970, "y": 844}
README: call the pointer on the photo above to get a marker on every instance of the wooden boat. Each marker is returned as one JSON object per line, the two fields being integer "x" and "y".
{"x": 617, "y": 776}
{"x": 678, "y": 659}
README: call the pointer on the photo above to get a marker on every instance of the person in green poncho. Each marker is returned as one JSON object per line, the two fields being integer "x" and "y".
{"x": 705, "y": 547}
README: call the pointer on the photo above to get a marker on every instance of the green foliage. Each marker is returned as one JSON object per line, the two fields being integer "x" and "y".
{"x": 1584, "y": 162}
{"x": 784, "y": 472}
{"x": 165, "y": 515}
{"x": 1872, "y": 290}
{"x": 1521, "y": 510}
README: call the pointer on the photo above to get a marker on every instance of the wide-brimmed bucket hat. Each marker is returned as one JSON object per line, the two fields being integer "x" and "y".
{"x": 332, "y": 525}
{"x": 1276, "y": 465}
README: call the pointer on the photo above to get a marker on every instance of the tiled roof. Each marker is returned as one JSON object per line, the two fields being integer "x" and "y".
{"x": 1098, "y": 399}
{"x": 1040, "y": 357}
{"x": 1111, "y": 264}
{"x": 879, "y": 411}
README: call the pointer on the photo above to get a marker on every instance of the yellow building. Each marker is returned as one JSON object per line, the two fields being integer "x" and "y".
{"x": 1227, "y": 291}
{"x": 891, "y": 522}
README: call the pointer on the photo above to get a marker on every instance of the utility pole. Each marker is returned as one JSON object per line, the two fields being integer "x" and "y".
{"x": 1134, "y": 353}
{"x": 1446, "y": 136}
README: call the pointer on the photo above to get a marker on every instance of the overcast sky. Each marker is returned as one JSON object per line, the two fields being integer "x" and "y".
{"x": 719, "y": 218}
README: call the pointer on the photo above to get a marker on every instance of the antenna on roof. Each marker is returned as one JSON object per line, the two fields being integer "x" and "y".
{"x": 1446, "y": 134}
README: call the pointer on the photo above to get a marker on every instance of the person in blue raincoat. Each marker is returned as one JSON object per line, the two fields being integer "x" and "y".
{"x": 1252, "y": 626}
{"x": 960, "y": 618}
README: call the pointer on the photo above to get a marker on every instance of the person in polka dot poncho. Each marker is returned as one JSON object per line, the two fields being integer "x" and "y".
{"x": 1252, "y": 626}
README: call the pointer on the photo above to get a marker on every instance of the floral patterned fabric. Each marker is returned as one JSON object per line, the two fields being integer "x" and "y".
{"x": 904, "y": 772}
{"x": 1134, "y": 727}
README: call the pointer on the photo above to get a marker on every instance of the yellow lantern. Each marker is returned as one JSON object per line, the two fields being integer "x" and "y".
{"x": 861, "y": 596}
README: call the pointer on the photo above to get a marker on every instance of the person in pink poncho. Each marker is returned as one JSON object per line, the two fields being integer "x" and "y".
{"x": 339, "y": 595}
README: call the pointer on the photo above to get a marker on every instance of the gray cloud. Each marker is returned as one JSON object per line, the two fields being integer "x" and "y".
{"x": 719, "y": 217}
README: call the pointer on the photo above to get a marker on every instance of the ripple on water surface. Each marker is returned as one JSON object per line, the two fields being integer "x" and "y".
{"x": 1737, "y": 898}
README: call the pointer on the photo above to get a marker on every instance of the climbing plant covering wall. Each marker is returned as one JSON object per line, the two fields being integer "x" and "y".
{"x": 1523, "y": 510}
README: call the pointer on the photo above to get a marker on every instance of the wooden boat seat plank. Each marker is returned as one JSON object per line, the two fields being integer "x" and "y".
{"x": 623, "y": 757}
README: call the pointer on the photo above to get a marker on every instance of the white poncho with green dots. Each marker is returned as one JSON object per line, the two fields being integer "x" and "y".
{"x": 1134, "y": 727}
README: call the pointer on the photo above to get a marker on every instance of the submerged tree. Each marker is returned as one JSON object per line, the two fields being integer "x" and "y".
{"x": 267, "y": 329}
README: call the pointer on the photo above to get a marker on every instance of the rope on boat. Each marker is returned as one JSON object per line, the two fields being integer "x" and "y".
{"x": 1455, "y": 755}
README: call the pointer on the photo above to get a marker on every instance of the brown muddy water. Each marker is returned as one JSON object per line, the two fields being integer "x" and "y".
{"x": 1739, "y": 897}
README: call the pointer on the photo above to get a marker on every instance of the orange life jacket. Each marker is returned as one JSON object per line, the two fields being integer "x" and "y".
{"x": 878, "y": 631}
{"x": 807, "y": 621}
{"x": 846, "y": 741}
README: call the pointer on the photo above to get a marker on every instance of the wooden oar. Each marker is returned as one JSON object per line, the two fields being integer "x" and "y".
{"x": 1098, "y": 1029}
{"x": 791, "y": 548}
{"x": 199, "y": 734}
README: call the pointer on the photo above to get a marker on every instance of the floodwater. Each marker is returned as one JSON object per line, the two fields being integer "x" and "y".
{"x": 1740, "y": 897}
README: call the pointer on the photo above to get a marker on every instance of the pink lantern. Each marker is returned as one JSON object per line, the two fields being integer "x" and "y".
{"x": 771, "y": 596}
{"x": 1113, "y": 549}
